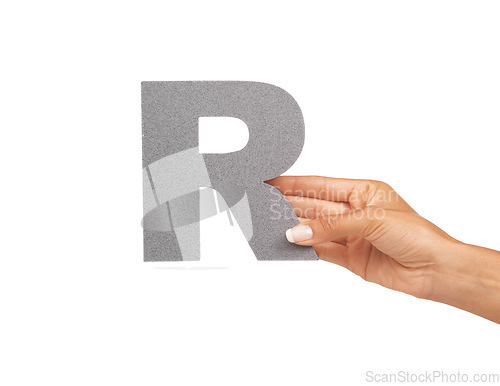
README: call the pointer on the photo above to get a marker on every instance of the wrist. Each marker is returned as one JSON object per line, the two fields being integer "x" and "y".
{"x": 467, "y": 277}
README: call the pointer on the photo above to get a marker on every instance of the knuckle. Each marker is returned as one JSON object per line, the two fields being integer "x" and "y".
{"x": 369, "y": 185}
{"x": 328, "y": 223}
{"x": 363, "y": 194}
{"x": 375, "y": 220}
{"x": 383, "y": 185}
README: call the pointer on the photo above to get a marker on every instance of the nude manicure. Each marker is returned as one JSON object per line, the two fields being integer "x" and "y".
{"x": 299, "y": 233}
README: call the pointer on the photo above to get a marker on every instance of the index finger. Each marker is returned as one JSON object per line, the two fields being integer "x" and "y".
{"x": 322, "y": 188}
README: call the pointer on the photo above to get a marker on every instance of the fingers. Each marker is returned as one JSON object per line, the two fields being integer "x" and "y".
{"x": 322, "y": 188}
{"x": 311, "y": 208}
{"x": 332, "y": 252}
{"x": 358, "y": 194}
{"x": 332, "y": 227}
{"x": 341, "y": 240}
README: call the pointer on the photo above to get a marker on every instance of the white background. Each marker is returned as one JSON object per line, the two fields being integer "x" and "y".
{"x": 401, "y": 91}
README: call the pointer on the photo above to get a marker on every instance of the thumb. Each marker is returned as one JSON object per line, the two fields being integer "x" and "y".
{"x": 326, "y": 227}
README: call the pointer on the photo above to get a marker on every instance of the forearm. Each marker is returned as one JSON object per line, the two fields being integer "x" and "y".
{"x": 468, "y": 277}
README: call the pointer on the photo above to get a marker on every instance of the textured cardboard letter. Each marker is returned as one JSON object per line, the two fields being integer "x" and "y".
{"x": 174, "y": 170}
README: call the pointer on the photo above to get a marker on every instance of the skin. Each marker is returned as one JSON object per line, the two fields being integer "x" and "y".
{"x": 366, "y": 227}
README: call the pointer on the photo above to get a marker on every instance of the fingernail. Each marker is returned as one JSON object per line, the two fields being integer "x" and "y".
{"x": 299, "y": 233}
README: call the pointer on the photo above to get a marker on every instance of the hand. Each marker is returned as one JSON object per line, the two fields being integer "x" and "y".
{"x": 366, "y": 227}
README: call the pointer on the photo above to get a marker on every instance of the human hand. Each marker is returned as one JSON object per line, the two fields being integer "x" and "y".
{"x": 366, "y": 227}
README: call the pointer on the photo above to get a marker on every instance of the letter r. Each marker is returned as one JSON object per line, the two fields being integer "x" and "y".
{"x": 174, "y": 170}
